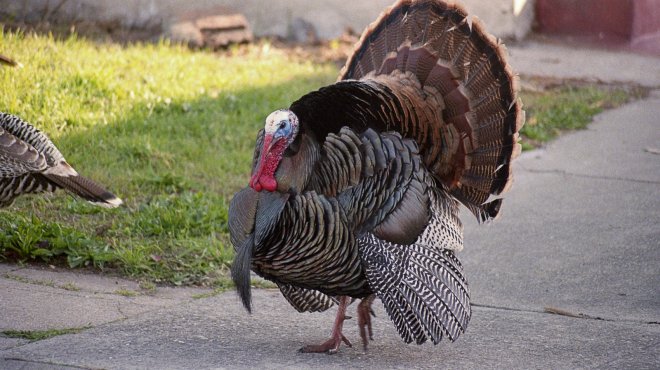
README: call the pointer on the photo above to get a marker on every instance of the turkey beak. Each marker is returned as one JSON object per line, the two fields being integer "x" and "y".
{"x": 271, "y": 139}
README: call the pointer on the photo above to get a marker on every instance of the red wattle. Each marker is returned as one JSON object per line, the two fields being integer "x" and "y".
{"x": 268, "y": 183}
{"x": 264, "y": 176}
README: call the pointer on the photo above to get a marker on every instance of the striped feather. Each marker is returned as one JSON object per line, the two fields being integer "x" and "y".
{"x": 306, "y": 300}
{"x": 422, "y": 287}
{"x": 30, "y": 163}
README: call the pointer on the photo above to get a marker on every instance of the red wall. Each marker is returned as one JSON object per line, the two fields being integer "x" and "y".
{"x": 633, "y": 22}
{"x": 647, "y": 17}
{"x": 610, "y": 18}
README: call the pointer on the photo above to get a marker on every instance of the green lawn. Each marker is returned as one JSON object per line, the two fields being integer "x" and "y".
{"x": 35, "y": 335}
{"x": 171, "y": 131}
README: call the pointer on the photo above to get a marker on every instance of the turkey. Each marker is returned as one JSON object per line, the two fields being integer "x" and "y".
{"x": 8, "y": 61}
{"x": 355, "y": 188}
{"x": 30, "y": 163}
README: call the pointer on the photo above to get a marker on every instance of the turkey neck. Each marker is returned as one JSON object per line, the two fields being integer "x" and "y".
{"x": 295, "y": 168}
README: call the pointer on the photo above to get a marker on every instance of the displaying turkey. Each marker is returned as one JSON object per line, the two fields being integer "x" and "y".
{"x": 30, "y": 163}
{"x": 355, "y": 188}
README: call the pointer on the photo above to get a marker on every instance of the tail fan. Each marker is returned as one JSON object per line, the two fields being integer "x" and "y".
{"x": 433, "y": 45}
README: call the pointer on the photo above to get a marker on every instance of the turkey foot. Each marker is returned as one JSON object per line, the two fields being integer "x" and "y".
{"x": 365, "y": 312}
{"x": 331, "y": 346}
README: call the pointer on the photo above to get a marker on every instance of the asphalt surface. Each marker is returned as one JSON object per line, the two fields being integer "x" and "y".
{"x": 567, "y": 277}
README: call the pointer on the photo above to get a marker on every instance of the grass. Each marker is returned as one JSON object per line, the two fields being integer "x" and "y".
{"x": 212, "y": 293}
{"x": 126, "y": 292}
{"x": 23, "y": 279}
{"x": 70, "y": 286}
{"x": 554, "y": 110}
{"x": 171, "y": 131}
{"x": 148, "y": 286}
{"x": 49, "y": 283}
{"x": 35, "y": 335}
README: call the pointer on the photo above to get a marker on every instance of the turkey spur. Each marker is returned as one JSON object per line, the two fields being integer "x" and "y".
{"x": 355, "y": 188}
{"x": 30, "y": 163}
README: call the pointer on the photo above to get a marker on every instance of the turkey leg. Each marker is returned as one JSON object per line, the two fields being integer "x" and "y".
{"x": 364, "y": 313}
{"x": 331, "y": 346}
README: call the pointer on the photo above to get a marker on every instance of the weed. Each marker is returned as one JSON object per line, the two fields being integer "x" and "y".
{"x": 212, "y": 293}
{"x": 49, "y": 283}
{"x": 20, "y": 279}
{"x": 148, "y": 286}
{"x": 126, "y": 292}
{"x": 263, "y": 284}
{"x": 25, "y": 280}
{"x": 35, "y": 335}
{"x": 29, "y": 238}
{"x": 70, "y": 286}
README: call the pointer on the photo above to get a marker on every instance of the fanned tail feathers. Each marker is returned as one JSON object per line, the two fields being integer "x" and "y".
{"x": 434, "y": 45}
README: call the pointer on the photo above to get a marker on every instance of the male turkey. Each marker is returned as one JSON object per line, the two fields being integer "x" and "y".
{"x": 30, "y": 163}
{"x": 355, "y": 188}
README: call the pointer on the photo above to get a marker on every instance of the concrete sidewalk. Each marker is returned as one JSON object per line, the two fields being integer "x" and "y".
{"x": 579, "y": 234}
{"x": 533, "y": 58}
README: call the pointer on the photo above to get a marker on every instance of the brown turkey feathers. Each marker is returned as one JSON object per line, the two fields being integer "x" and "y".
{"x": 355, "y": 188}
{"x": 30, "y": 163}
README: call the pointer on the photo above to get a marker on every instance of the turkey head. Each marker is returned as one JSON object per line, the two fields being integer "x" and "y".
{"x": 280, "y": 132}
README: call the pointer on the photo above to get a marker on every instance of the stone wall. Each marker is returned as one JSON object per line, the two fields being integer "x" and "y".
{"x": 510, "y": 19}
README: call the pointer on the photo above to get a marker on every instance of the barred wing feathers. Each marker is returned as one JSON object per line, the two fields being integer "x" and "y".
{"x": 30, "y": 163}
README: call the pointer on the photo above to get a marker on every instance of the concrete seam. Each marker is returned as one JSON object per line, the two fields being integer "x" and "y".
{"x": 61, "y": 292}
{"x": 566, "y": 173}
{"x": 610, "y": 361}
{"x": 21, "y": 344}
{"x": 49, "y": 363}
{"x": 121, "y": 312}
{"x": 574, "y": 316}
{"x": 567, "y": 80}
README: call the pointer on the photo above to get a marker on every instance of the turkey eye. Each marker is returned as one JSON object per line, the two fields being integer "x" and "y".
{"x": 282, "y": 124}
